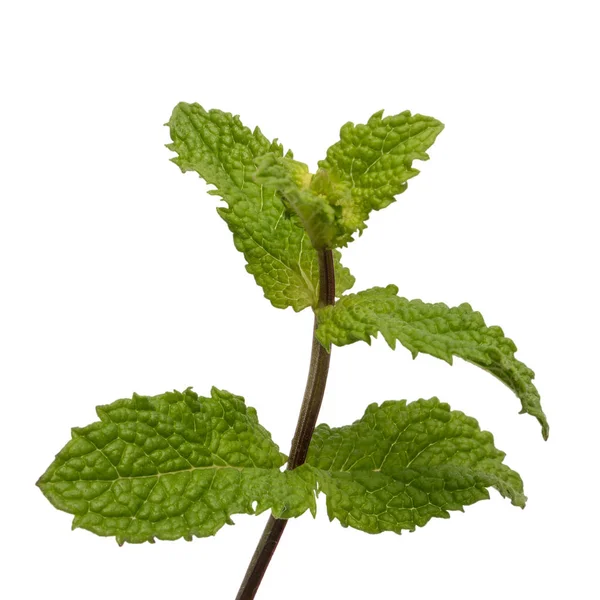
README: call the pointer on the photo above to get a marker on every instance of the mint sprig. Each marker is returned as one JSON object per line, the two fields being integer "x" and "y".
{"x": 179, "y": 465}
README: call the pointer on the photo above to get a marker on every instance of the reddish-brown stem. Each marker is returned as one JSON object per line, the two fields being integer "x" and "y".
{"x": 307, "y": 420}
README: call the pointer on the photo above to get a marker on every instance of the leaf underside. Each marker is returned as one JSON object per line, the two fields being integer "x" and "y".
{"x": 433, "y": 329}
{"x": 402, "y": 464}
{"x": 172, "y": 466}
{"x": 224, "y": 152}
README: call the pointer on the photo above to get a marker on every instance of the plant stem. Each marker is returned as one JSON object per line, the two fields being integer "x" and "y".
{"x": 307, "y": 420}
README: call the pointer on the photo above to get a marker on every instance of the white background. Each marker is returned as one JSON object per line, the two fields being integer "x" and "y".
{"x": 118, "y": 275}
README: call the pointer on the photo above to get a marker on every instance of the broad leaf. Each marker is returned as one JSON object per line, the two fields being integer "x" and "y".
{"x": 402, "y": 464}
{"x": 432, "y": 329}
{"x": 374, "y": 162}
{"x": 224, "y": 153}
{"x": 172, "y": 466}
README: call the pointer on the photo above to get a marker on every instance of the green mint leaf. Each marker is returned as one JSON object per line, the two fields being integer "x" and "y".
{"x": 320, "y": 205}
{"x": 432, "y": 329}
{"x": 362, "y": 172}
{"x": 224, "y": 153}
{"x": 171, "y": 466}
{"x": 402, "y": 464}
{"x": 373, "y": 162}
{"x": 312, "y": 212}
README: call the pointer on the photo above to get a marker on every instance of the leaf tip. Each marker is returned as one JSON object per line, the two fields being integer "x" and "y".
{"x": 376, "y": 116}
{"x": 545, "y": 430}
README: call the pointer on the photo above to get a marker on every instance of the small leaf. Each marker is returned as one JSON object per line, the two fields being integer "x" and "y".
{"x": 320, "y": 205}
{"x": 312, "y": 212}
{"x": 374, "y": 162}
{"x": 362, "y": 172}
{"x": 402, "y": 464}
{"x": 172, "y": 466}
{"x": 433, "y": 329}
{"x": 224, "y": 153}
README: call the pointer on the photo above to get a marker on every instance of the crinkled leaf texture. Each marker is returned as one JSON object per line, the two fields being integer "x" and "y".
{"x": 374, "y": 162}
{"x": 402, "y": 464}
{"x": 433, "y": 329}
{"x": 362, "y": 172}
{"x": 224, "y": 153}
{"x": 179, "y": 465}
{"x": 311, "y": 211}
{"x": 171, "y": 466}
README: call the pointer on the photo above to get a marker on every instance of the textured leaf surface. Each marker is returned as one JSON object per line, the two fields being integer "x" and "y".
{"x": 224, "y": 153}
{"x": 374, "y": 161}
{"x": 432, "y": 329}
{"x": 402, "y": 464}
{"x": 312, "y": 211}
{"x": 320, "y": 204}
{"x": 172, "y": 466}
